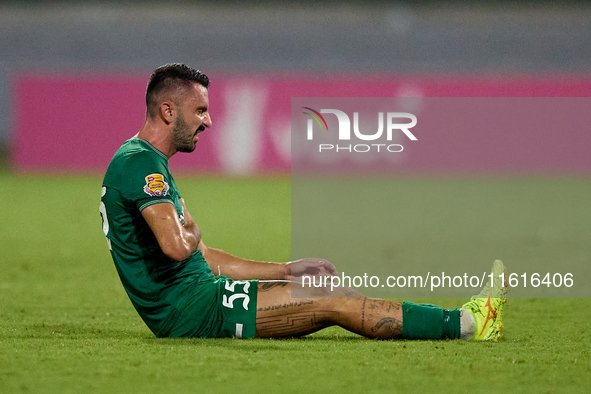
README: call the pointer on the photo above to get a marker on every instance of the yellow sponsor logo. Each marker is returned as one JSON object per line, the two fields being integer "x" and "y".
{"x": 155, "y": 185}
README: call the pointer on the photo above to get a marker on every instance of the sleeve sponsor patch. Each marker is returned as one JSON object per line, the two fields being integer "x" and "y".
{"x": 155, "y": 185}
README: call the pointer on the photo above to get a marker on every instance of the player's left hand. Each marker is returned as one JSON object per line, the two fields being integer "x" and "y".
{"x": 311, "y": 267}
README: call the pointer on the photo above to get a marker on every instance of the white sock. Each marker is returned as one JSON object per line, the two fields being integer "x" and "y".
{"x": 467, "y": 325}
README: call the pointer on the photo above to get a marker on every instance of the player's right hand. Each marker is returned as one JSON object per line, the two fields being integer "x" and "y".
{"x": 311, "y": 267}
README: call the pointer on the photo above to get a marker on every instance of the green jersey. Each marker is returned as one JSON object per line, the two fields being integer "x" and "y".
{"x": 159, "y": 287}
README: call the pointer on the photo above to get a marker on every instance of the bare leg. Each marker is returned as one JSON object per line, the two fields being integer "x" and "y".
{"x": 279, "y": 315}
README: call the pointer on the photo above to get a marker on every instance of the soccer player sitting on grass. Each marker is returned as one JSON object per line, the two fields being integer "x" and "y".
{"x": 182, "y": 288}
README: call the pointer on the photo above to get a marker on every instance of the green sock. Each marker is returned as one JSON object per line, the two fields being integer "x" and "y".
{"x": 451, "y": 324}
{"x": 426, "y": 321}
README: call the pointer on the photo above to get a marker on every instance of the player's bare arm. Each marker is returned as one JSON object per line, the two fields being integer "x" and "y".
{"x": 222, "y": 263}
{"x": 176, "y": 241}
{"x": 237, "y": 268}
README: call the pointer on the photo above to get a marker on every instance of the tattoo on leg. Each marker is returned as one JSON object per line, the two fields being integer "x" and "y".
{"x": 388, "y": 327}
{"x": 292, "y": 324}
{"x": 287, "y": 305}
{"x": 363, "y": 314}
{"x": 266, "y": 286}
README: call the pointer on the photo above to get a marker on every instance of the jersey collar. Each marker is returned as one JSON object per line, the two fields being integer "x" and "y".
{"x": 151, "y": 146}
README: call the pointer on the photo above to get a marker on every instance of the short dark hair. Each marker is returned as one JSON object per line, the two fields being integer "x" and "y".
{"x": 169, "y": 77}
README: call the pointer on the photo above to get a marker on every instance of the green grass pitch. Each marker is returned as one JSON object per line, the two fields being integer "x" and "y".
{"x": 67, "y": 326}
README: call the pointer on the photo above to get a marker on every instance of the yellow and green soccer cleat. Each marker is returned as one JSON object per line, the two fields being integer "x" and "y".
{"x": 487, "y": 307}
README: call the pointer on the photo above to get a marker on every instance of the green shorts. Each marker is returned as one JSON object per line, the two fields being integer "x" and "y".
{"x": 217, "y": 307}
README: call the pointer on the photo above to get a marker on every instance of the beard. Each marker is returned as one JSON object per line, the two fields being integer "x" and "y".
{"x": 182, "y": 136}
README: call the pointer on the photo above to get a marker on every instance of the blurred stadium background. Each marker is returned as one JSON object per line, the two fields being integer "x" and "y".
{"x": 74, "y": 72}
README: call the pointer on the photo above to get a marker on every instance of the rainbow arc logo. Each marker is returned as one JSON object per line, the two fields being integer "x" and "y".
{"x": 315, "y": 118}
